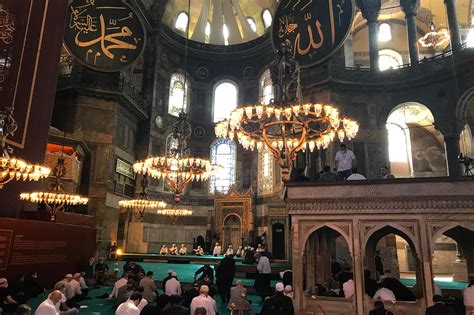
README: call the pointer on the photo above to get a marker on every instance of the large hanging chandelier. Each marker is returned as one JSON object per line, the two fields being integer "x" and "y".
{"x": 177, "y": 168}
{"x": 12, "y": 168}
{"x": 435, "y": 39}
{"x": 142, "y": 203}
{"x": 285, "y": 126}
{"x": 55, "y": 200}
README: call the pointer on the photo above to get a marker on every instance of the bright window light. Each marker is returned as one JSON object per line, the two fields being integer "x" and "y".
{"x": 225, "y": 32}
{"x": 267, "y": 18}
{"x": 252, "y": 24}
{"x": 385, "y": 32}
{"x": 182, "y": 22}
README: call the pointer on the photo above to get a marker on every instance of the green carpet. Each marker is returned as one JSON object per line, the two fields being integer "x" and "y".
{"x": 455, "y": 285}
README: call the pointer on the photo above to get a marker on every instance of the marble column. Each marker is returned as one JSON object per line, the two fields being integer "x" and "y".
{"x": 370, "y": 11}
{"x": 410, "y": 7}
{"x": 451, "y": 130}
{"x": 453, "y": 25}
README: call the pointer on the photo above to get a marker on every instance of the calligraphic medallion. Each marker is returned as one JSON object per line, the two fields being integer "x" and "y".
{"x": 315, "y": 29}
{"x": 105, "y": 35}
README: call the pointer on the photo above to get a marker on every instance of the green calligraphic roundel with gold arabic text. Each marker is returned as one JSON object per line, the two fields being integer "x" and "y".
{"x": 314, "y": 29}
{"x": 105, "y": 35}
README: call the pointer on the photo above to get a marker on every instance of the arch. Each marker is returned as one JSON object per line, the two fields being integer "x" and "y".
{"x": 385, "y": 32}
{"x": 446, "y": 228}
{"x": 332, "y": 226}
{"x": 278, "y": 240}
{"x": 266, "y": 90}
{"x": 181, "y": 22}
{"x": 396, "y": 229}
{"x": 178, "y": 93}
{"x": 252, "y": 23}
{"x": 389, "y": 59}
{"x": 463, "y": 103}
{"x": 230, "y": 215}
{"x": 225, "y": 98}
{"x": 267, "y": 18}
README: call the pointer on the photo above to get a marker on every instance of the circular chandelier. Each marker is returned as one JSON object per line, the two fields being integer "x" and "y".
{"x": 12, "y": 168}
{"x": 55, "y": 200}
{"x": 177, "y": 168}
{"x": 434, "y": 39}
{"x": 285, "y": 127}
{"x": 175, "y": 213}
{"x": 142, "y": 203}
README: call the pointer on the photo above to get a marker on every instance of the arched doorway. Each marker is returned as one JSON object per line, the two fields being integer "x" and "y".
{"x": 278, "y": 241}
{"x": 327, "y": 263}
{"x": 453, "y": 260}
{"x": 232, "y": 231}
{"x": 391, "y": 258}
{"x": 416, "y": 148}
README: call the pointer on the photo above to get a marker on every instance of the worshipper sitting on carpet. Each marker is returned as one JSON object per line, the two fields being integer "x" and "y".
{"x": 468, "y": 295}
{"x": 48, "y": 306}
{"x": 124, "y": 292}
{"x": 249, "y": 256}
{"x": 164, "y": 250}
{"x": 205, "y": 301}
{"x": 149, "y": 287}
{"x": 370, "y": 284}
{"x": 7, "y": 303}
{"x": 190, "y": 294}
{"x": 379, "y": 309}
{"x": 72, "y": 291}
{"x": 239, "y": 252}
{"x": 143, "y": 303}
{"x": 384, "y": 294}
{"x": 163, "y": 283}
{"x": 348, "y": 287}
{"x": 23, "y": 309}
{"x": 174, "y": 307}
{"x": 118, "y": 284}
{"x": 173, "y": 250}
{"x": 183, "y": 250}
{"x": 278, "y": 303}
{"x": 402, "y": 293}
{"x": 204, "y": 280}
{"x": 230, "y": 251}
{"x": 217, "y": 251}
{"x": 62, "y": 306}
{"x": 161, "y": 302}
{"x": 288, "y": 291}
{"x": 198, "y": 251}
{"x": 439, "y": 308}
{"x": 225, "y": 273}
{"x": 130, "y": 307}
{"x": 101, "y": 272}
{"x": 136, "y": 272}
{"x": 238, "y": 298}
{"x": 200, "y": 311}
{"x": 31, "y": 287}
{"x": 173, "y": 286}
{"x": 259, "y": 248}
{"x": 205, "y": 270}
{"x": 287, "y": 277}
{"x": 82, "y": 283}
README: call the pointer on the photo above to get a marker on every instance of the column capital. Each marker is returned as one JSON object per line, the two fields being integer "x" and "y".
{"x": 410, "y": 7}
{"x": 370, "y": 9}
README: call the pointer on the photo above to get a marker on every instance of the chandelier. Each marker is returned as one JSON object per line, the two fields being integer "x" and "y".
{"x": 174, "y": 214}
{"x": 177, "y": 168}
{"x": 142, "y": 203}
{"x": 12, "y": 168}
{"x": 434, "y": 39}
{"x": 286, "y": 127}
{"x": 55, "y": 200}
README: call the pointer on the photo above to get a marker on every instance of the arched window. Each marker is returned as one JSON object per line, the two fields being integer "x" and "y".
{"x": 266, "y": 91}
{"x": 385, "y": 32}
{"x": 470, "y": 38}
{"x": 177, "y": 99}
{"x": 267, "y": 18}
{"x": 389, "y": 59}
{"x": 225, "y": 33}
{"x": 207, "y": 31}
{"x": 223, "y": 154}
{"x": 225, "y": 99}
{"x": 182, "y": 22}
{"x": 265, "y": 172}
{"x": 252, "y": 24}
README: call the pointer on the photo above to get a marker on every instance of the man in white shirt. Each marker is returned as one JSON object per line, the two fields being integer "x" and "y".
{"x": 217, "y": 250}
{"x": 230, "y": 251}
{"x": 73, "y": 288}
{"x": 345, "y": 160}
{"x": 48, "y": 306}
{"x": 468, "y": 295}
{"x": 173, "y": 286}
{"x": 348, "y": 288}
{"x": 130, "y": 307}
{"x": 384, "y": 294}
{"x": 264, "y": 273}
{"x": 118, "y": 284}
{"x": 205, "y": 301}
{"x": 355, "y": 175}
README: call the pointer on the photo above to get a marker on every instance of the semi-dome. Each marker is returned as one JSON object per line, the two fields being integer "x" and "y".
{"x": 220, "y": 22}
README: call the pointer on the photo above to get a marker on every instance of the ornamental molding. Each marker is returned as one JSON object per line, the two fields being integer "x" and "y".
{"x": 372, "y": 204}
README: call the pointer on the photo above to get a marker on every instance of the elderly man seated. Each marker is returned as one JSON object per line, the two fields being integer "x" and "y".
{"x": 238, "y": 298}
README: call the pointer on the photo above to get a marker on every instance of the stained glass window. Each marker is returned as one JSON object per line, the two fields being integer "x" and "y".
{"x": 265, "y": 172}
{"x": 177, "y": 100}
{"x": 223, "y": 154}
{"x": 225, "y": 100}
{"x": 266, "y": 90}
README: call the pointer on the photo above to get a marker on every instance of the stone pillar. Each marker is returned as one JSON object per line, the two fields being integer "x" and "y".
{"x": 348, "y": 52}
{"x": 453, "y": 25}
{"x": 297, "y": 263}
{"x": 370, "y": 11}
{"x": 410, "y": 7}
{"x": 451, "y": 130}
{"x": 358, "y": 267}
{"x": 426, "y": 259}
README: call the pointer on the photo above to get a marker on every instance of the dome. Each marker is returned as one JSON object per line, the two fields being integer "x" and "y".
{"x": 220, "y": 22}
